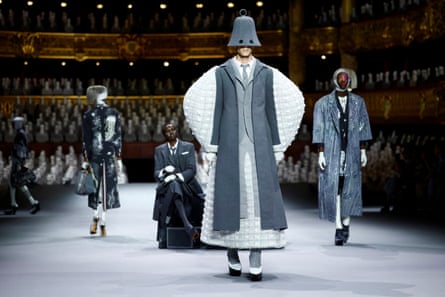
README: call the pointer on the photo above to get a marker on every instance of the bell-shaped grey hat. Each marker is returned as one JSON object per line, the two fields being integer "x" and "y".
{"x": 244, "y": 31}
{"x": 96, "y": 93}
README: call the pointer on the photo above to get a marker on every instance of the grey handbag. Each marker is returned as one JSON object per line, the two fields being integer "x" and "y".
{"x": 85, "y": 182}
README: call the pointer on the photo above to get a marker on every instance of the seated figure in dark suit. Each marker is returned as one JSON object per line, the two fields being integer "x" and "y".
{"x": 179, "y": 196}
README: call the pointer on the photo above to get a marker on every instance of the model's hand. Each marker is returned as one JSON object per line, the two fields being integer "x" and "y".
{"x": 119, "y": 166}
{"x": 321, "y": 161}
{"x": 170, "y": 178}
{"x": 85, "y": 165}
{"x": 363, "y": 158}
{"x": 169, "y": 169}
{"x": 211, "y": 158}
{"x": 278, "y": 157}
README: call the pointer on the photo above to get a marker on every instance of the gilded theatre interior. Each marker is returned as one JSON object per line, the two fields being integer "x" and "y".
{"x": 149, "y": 54}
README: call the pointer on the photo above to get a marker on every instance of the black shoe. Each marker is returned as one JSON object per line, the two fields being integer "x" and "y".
{"x": 339, "y": 238}
{"x": 345, "y": 233}
{"x": 233, "y": 262}
{"x": 194, "y": 233}
{"x": 162, "y": 244}
{"x": 384, "y": 209}
{"x": 35, "y": 208}
{"x": 256, "y": 277}
{"x": 162, "y": 237}
{"x": 103, "y": 230}
{"x": 234, "y": 271}
{"x": 93, "y": 226}
{"x": 11, "y": 211}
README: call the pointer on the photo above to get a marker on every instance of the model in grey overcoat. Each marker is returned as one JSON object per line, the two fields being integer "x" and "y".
{"x": 265, "y": 135}
{"x": 223, "y": 112}
{"x": 245, "y": 114}
{"x": 326, "y": 130}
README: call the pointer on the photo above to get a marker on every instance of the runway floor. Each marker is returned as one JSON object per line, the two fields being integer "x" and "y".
{"x": 52, "y": 254}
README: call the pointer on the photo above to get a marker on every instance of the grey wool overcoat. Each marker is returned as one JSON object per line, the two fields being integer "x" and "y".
{"x": 276, "y": 109}
{"x": 326, "y": 130}
{"x": 265, "y": 135}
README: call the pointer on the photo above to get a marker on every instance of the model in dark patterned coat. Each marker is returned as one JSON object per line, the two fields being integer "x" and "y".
{"x": 102, "y": 147}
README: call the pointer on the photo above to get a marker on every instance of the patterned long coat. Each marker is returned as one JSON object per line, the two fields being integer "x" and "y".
{"x": 326, "y": 130}
{"x": 102, "y": 143}
{"x": 19, "y": 155}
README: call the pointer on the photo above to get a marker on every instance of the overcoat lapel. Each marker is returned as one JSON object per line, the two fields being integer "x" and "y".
{"x": 233, "y": 75}
{"x": 333, "y": 111}
{"x": 353, "y": 110}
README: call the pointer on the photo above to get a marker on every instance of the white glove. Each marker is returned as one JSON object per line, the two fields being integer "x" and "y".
{"x": 119, "y": 166}
{"x": 211, "y": 158}
{"x": 321, "y": 161}
{"x": 170, "y": 178}
{"x": 363, "y": 158}
{"x": 85, "y": 165}
{"x": 169, "y": 169}
{"x": 278, "y": 157}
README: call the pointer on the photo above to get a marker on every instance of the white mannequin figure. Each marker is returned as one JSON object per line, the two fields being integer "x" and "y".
{"x": 42, "y": 135}
{"x": 130, "y": 134}
{"x": 144, "y": 87}
{"x": 414, "y": 78}
{"x": 57, "y": 88}
{"x": 46, "y": 89}
{"x": 116, "y": 28}
{"x": 79, "y": 87}
{"x": 67, "y": 89}
{"x": 9, "y": 135}
{"x": 370, "y": 82}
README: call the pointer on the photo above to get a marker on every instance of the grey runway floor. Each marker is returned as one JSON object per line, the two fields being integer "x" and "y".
{"x": 52, "y": 254}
